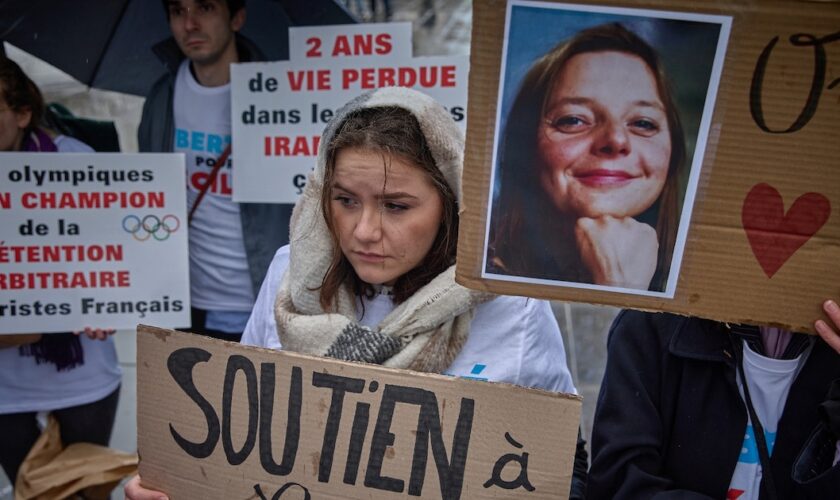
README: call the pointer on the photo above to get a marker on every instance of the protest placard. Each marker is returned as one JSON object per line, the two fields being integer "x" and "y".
{"x": 279, "y": 109}
{"x": 92, "y": 240}
{"x": 222, "y": 420}
{"x": 759, "y": 245}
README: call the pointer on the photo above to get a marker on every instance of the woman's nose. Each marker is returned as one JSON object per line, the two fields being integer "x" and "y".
{"x": 612, "y": 140}
{"x": 369, "y": 225}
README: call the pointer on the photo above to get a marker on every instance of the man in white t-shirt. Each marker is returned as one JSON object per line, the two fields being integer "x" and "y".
{"x": 188, "y": 111}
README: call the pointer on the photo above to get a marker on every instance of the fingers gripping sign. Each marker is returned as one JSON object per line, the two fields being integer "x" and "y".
{"x": 828, "y": 333}
{"x": 134, "y": 491}
{"x": 96, "y": 333}
{"x": 617, "y": 251}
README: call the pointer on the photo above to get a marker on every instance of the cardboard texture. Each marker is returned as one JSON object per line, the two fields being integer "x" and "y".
{"x": 764, "y": 239}
{"x": 283, "y": 424}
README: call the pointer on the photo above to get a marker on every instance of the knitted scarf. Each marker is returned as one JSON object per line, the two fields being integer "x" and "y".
{"x": 424, "y": 333}
{"x": 64, "y": 350}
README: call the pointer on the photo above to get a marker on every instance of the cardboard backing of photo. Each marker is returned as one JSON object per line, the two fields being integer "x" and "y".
{"x": 212, "y": 422}
{"x": 723, "y": 276}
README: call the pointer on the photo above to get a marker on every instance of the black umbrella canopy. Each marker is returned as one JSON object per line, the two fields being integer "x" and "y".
{"x": 107, "y": 43}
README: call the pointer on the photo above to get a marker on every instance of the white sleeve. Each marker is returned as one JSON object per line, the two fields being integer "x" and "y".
{"x": 515, "y": 340}
{"x": 543, "y": 362}
{"x": 67, "y": 144}
{"x": 261, "y": 330}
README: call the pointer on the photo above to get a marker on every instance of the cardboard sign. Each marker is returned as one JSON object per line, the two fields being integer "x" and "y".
{"x": 762, "y": 242}
{"x": 85, "y": 237}
{"x": 221, "y": 420}
{"x": 279, "y": 109}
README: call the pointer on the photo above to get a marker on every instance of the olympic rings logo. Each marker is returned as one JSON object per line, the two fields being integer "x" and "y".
{"x": 151, "y": 226}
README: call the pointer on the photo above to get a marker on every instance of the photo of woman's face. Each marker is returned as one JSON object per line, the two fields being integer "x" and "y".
{"x": 603, "y": 143}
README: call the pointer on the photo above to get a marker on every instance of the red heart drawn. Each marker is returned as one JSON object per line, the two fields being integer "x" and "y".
{"x": 775, "y": 235}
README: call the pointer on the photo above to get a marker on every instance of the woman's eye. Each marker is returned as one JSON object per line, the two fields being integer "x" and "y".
{"x": 344, "y": 201}
{"x": 568, "y": 123}
{"x": 394, "y": 207}
{"x": 645, "y": 126}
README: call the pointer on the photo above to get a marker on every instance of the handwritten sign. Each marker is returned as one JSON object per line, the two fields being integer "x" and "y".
{"x": 221, "y": 420}
{"x": 83, "y": 236}
{"x": 279, "y": 109}
{"x": 763, "y": 242}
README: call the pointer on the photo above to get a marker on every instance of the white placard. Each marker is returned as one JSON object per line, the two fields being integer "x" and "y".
{"x": 279, "y": 109}
{"x": 94, "y": 240}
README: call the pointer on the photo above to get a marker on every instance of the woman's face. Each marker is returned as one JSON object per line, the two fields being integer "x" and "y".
{"x": 12, "y": 125}
{"x": 387, "y": 215}
{"x": 604, "y": 145}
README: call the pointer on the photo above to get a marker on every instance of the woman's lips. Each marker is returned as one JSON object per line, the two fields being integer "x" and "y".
{"x": 370, "y": 257}
{"x": 603, "y": 177}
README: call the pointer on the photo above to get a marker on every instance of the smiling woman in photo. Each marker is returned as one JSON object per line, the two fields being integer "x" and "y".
{"x": 590, "y": 163}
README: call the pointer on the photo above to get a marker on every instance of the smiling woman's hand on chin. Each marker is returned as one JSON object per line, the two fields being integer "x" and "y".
{"x": 617, "y": 251}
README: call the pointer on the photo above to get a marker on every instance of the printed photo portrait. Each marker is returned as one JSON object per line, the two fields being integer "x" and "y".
{"x": 602, "y": 125}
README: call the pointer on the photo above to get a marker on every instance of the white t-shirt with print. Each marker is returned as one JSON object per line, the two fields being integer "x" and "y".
{"x": 769, "y": 381}
{"x": 219, "y": 276}
{"x": 512, "y": 339}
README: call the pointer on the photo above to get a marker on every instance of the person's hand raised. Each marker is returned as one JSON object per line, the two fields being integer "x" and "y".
{"x": 828, "y": 333}
{"x": 618, "y": 251}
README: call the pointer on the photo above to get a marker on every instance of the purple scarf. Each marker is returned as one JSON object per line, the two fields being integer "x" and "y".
{"x": 38, "y": 141}
{"x": 64, "y": 350}
{"x": 775, "y": 341}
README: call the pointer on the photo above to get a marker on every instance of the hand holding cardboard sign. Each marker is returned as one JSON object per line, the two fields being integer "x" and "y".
{"x": 133, "y": 491}
{"x": 829, "y": 334}
{"x": 96, "y": 333}
{"x": 617, "y": 251}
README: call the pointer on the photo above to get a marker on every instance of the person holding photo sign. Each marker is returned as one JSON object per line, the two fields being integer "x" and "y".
{"x": 676, "y": 419}
{"x": 590, "y": 164}
{"x": 369, "y": 274}
{"x": 75, "y": 377}
{"x": 188, "y": 110}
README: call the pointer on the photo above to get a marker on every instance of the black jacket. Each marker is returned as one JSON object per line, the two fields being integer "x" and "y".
{"x": 670, "y": 421}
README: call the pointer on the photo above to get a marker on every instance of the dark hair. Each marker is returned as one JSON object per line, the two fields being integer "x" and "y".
{"x": 233, "y": 6}
{"x": 524, "y": 241}
{"x": 20, "y": 92}
{"x": 393, "y": 132}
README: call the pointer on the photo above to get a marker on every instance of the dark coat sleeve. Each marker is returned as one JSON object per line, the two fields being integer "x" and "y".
{"x": 154, "y": 134}
{"x": 628, "y": 432}
{"x": 814, "y": 471}
{"x": 580, "y": 470}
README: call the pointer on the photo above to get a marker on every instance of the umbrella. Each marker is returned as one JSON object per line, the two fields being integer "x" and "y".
{"x": 107, "y": 43}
